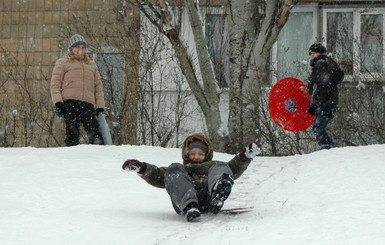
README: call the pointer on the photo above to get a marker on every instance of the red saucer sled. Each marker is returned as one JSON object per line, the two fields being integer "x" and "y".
{"x": 288, "y": 102}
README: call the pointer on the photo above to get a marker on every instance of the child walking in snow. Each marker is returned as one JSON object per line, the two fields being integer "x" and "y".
{"x": 323, "y": 89}
{"x": 200, "y": 184}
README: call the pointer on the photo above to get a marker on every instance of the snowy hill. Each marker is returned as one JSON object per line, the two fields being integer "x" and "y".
{"x": 81, "y": 196}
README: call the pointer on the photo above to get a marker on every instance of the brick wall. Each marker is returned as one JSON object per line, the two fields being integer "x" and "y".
{"x": 33, "y": 34}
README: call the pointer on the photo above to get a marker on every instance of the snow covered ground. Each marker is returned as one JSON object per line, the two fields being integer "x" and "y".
{"x": 81, "y": 196}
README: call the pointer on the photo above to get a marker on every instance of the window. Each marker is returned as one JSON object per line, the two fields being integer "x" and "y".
{"x": 218, "y": 45}
{"x": 111, "y": 68}
{"x": 371, "y": 39}
{"x": 339, "y": 39}
{"x": 290, "y": 56}
{"x": 355, "y": 38}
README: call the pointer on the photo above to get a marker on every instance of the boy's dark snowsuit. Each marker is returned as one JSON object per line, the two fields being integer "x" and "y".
{"x": 193, "y": 182}
{"x": 323, "y": 90}
{"x": 323, "y": 82}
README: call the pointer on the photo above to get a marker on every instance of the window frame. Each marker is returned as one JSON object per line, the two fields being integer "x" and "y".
{"x": 297, "y": 9}
{"x": 357, "y": 12}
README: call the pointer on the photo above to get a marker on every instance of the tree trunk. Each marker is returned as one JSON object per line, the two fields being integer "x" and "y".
{"x": 253, "y": 29}
{"x": 211, "y": 112}
{"x": 239, "y": 17}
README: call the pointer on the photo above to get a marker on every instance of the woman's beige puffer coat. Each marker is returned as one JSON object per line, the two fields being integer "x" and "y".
{"x": 74, "y": 79}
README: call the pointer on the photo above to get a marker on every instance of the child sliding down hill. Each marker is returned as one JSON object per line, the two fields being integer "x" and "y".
{"x": 200, "y": 184}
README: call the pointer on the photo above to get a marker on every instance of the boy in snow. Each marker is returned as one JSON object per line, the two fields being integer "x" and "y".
{"x": 200, "y": 184}
{"x": 323, "y": 90}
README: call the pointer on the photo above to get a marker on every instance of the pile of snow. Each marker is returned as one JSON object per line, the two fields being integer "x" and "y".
{"x": 80, "y": 195}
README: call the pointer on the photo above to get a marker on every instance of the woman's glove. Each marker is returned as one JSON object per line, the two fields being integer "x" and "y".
{"x": 99, "y": 110}
{"x": 60, "y": 109}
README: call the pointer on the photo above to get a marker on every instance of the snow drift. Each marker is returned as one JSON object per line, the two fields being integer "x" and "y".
{"x": 80, "y": 195}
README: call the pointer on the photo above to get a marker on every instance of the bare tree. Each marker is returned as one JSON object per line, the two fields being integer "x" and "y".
{"x": 115, "y": 50}
{"x": 361, "y": 109}
{"x": 146, "y": 106}
{"x": 146, "y": 113}
{"x": 26, "y": 115}
{"x": 253, "y": 28}
{"x": 163, "y": 103}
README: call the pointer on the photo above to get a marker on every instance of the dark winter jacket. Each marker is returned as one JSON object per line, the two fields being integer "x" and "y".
{"x": 197, "y": 171}
{"x": 323, "y": 81}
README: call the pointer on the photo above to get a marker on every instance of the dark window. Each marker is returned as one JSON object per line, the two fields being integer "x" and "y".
{"x": 371, "y": 38}
{"x": 340, "y": 39}
{"x": 218, "y": 45}
{"x": 111, "y": 68}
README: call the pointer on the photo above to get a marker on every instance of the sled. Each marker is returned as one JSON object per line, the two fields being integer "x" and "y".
{"x": 288, "y": 102}
{"x": 236, "y": 211}
{"x": 104, "y": 129}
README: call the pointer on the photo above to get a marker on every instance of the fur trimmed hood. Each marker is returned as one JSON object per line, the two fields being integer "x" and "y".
{"x": 194, "y": 138}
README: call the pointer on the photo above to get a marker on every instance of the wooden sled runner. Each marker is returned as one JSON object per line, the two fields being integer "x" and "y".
{"x": 235, "y": 211}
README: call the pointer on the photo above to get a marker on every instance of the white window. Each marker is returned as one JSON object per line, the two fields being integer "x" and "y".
{"x": 290, "y": 56}
{"x": 356, "y": 39}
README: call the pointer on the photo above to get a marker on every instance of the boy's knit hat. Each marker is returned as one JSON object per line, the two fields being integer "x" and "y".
{"x": 76, "y": 40}
{"x": 198, "y": 144}
{"x": 317, "y": 47}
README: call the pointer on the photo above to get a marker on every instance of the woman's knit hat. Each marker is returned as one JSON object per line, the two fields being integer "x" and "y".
{"x": 76, "y": 40}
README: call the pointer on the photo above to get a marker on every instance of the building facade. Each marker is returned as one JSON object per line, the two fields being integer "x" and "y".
{"x": 352, "y": 32}
{"x": 34, "y": 34}
{"x": 148, "y": 99}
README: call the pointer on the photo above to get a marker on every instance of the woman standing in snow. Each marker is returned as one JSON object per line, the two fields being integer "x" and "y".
{"x": 323, "y": 90}
{"x": 200, "y": 184}
{"x": 76, "y": 90}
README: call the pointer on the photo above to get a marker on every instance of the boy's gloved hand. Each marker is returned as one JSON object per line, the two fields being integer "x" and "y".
{"x": 134, "y": 165}
{"x": 250, "y": 151}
